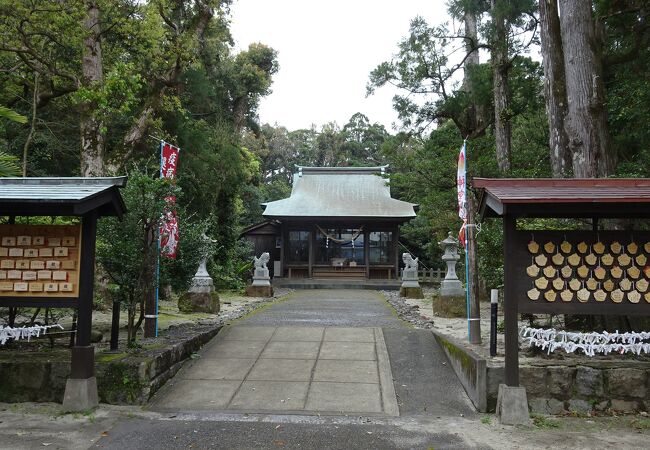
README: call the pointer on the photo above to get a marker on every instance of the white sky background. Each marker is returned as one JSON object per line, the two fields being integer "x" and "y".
{"x": 326, "y": 50}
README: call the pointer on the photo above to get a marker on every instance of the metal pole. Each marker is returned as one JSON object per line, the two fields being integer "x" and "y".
{"x": 494, "y": 307}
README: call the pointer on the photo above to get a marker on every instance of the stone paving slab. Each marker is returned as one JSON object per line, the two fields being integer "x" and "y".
{"x": 282, "y": 370}
{"x": 301, "y": 370}
{"x": 219, "y": 369}
{"x": 344, "y": 397}
{"x": 270, "y": 395}
{"x": 346, "y": 371}
{"x": 291, "y": 350}
{"x": 348, "y": 334}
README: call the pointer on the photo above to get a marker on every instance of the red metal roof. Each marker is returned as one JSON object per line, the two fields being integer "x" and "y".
{"x": 542, "y": 194}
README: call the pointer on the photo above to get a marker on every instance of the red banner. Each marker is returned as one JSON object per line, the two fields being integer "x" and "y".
{"x": 168, "y": 160}
{"x": 169, "y": 233}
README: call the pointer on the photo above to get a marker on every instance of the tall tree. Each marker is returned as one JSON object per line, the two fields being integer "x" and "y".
{"x": 586, "y": 119}
{"x": 554, "y": 87}
{"x": 500, "y": 68}
{"x": 91, "y": 126}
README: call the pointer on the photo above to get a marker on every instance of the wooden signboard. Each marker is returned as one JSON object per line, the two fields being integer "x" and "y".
{"x": 582, "y": 272}
{"x": 39, "y": 261}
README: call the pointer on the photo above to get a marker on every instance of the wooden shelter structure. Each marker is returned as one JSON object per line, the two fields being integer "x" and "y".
{"x": 66, "y": 249}
{"x": 339, "y": 222}
{"x": 574, "y": 271}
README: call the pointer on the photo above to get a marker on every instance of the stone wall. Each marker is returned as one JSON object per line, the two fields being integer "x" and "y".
{"x": 122, "y": 378}
{"x": 553, "y": 386}
{"x": 556, "y": 386}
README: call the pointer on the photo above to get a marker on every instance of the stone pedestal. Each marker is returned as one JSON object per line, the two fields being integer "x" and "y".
{"x": 201, "y": 296}
{"x": 451, "y": 285}
{"x": 80, "y": 395}
{"x": 261, "y": 286}
{"x": 512, "y": 405}
{"x": 410, "y": 285}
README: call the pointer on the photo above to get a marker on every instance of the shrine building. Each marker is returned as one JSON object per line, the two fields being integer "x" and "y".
{"x": 339, "y": 222}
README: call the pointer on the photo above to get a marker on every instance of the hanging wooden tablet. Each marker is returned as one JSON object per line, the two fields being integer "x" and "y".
{"x": 599, "y": 248}
{"x": 573, "y": 259}
{"x": 600, "y": 273}
{"x": 609, "y": 285}
{"x": 600, "y": 295}
{"x": 541, "y": 260}
{"x": 582, "y": 247}
{"x": 583, "y": 295}
{"x": 624, "y": 259}
{"x": 641, "y": 259}
{"x": 646, "y": 271}
{"x": 532, "y": 270}
{"x": 646, "y": 247}
{"x": 566, "y": 247}
{"x": 633, "y": 272}
{"x": 533, "y": 294}
{"x": 591, "y": 259}
{"x": 541, "y": 283}
{"x": 625, "y": 284}
{"x": 641, "y": 285}
{"x": 566, "y": 295}
{"x": 583, "y": 271}
{"x": 591, "y": 283}
{"x": 533, "y": 247}
{"x": 558, "y": 284}
{"x": 549, "y": 247}
{"x": 574, "y": 284}
{"x": 616, "y": 247}
{"x": 633, "y": 297}
{"x": 550, "y": 296}
{"x": 617, "y": 296}
{"x": 632, "y": 248}
{"x": 566, "y": 271}
{"x": 616, "y": 272}
{"x": 558, "y": 259}
{"x": 549, "y": 271}
{"x": 607, "y": 259}
{"x": 646, "y": 297}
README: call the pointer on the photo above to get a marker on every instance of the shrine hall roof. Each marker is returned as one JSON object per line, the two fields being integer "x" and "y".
{"x": 568, "y": 197}
{"x": 337, "y": 192}
{"x": 70, "y": 196}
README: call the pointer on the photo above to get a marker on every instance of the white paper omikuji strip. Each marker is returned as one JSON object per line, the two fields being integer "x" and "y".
{"x": 7, "y": 333}
{"x": 590, "y": 343}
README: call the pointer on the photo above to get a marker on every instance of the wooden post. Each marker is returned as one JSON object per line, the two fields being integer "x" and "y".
{"x": 312, "y": 238}
{"x": 396, "y": 250}
{"x": 81, "y": 388}
{"x": 510, "y": 310}
{"x": 366, "y": 251}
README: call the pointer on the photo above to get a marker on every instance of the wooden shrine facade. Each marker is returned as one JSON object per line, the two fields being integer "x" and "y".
{"x": 339, "y": 222}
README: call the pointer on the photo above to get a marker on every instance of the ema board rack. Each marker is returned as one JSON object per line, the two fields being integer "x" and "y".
{"x": 39, "y": 261}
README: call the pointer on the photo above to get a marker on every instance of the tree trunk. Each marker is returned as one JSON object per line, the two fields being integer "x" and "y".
{"x": 475, "y": 115}
{"x": 90, "y": 126}
{"x": 554, "y": 87}
{"x": 501, "y": 97}
{"x": 586, "y": 120}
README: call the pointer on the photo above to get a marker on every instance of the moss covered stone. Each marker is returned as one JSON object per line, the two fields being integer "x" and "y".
{"x": 199, "y": 302}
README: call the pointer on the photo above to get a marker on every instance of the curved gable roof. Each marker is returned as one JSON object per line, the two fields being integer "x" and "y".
{"x": 359, "y": 192}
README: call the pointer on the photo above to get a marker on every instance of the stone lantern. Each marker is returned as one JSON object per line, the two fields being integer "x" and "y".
{"x": 201, "y": 297}
{"x": 451, "y": 285}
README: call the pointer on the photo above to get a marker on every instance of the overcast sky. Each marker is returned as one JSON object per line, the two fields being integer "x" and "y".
{"x": 326, "y": 52}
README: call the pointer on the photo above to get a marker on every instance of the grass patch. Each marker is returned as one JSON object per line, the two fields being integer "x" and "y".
{"x": 640, "y": 424}
{"x": 486, "y": 420}
{"x": 544, "y": 422}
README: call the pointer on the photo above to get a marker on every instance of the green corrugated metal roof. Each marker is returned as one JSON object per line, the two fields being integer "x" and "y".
{"x": 340, "y": 192}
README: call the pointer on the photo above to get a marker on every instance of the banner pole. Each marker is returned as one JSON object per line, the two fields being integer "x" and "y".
{"x": 162, "y": 143}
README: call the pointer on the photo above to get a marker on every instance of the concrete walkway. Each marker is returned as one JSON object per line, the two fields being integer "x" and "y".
{"x": 319, "y": 352}
{"x": 316, "y": 370}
